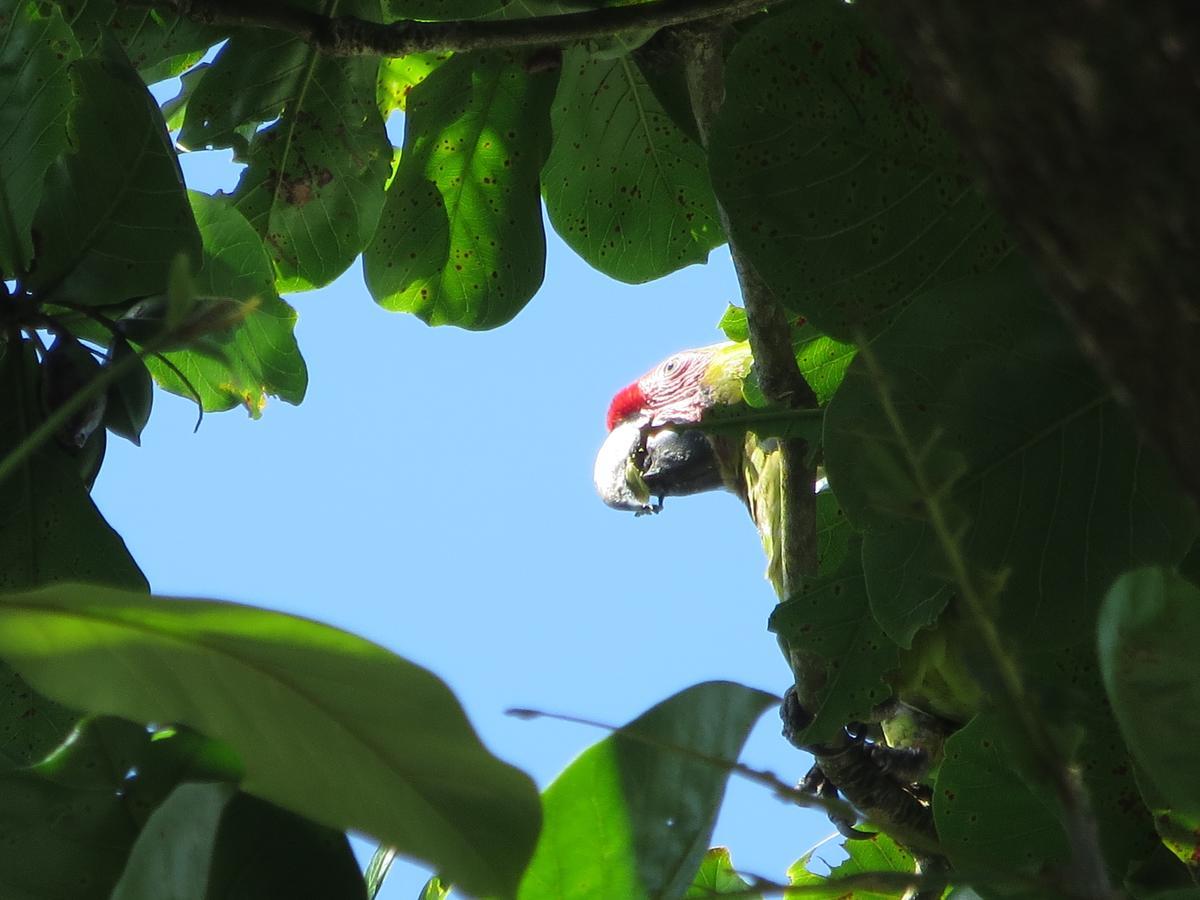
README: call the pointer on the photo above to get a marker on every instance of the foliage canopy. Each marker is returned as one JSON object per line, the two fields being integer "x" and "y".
{"x": 994, "y": 509}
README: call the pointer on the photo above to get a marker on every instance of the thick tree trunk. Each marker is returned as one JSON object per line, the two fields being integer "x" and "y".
{"x": 1084, "y": 118}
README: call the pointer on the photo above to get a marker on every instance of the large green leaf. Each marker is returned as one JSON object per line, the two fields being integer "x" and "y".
{"x": 49, "y": 528}
{"x": 1048, "y": 480}
{"x": 257, "y": 357}
{"x": 460, "y": 240}
{"x": 327, "y": 724}
{"x": 107, "y": 232}
{"x": 1149, "y": 633}
{"x": 67, "y": 824}
{"x": 35, "y": 102}
{"x": 313, "y": 188}
{"x": 49, "y": 531}
{"x": 209, "y": 840}
{"x": 631, "y": 817}
{"x": 841, "y": 189}
{"x": 986, "y": 817}
{"x": 625, "y": 188}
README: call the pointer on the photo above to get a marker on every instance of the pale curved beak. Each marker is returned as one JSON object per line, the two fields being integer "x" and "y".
{"x": 635, "y": 465}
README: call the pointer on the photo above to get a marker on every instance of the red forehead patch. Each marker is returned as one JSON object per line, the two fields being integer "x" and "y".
{"x": 628, "y": 401}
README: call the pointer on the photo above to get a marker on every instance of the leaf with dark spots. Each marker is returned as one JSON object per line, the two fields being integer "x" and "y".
{"x": 313, "y": 187}
{"x": 625, "y": 187}
{"x": 841, "y": 189}
{"x": 460, "y": 240}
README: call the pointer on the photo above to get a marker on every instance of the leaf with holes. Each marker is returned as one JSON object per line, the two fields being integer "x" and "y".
{"x": 259, "y": 356}
{"x": 37, "y": 99}
{"x": 313, "y": 187}
{"x": 841, "y": 189}
{"x": 624, "y": 187}
{"x": 979, "y": 797}
{"x": 460, "y": 240}
{"x": 104, "y": 234}
{"x": 300, "y": 704}
{"x": 631, "y": 817}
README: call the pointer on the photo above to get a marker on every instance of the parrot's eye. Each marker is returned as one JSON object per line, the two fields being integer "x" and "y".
{"x": 670, "y": 367}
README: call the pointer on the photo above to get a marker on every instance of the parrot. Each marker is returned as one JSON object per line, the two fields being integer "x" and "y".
{"x": 655, "y": 449}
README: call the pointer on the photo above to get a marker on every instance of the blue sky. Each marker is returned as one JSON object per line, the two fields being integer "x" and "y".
{"x": 433, "y": 493}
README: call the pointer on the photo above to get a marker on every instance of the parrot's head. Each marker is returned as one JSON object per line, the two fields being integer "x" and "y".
{"x": 653, "y": 448}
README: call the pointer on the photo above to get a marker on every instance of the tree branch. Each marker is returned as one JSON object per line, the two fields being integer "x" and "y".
{"x": 352, "y": 36}
{"x": 770, "y": 332}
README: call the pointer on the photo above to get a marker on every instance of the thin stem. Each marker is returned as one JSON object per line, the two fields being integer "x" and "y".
{"x": 775, "y": 366}
{"x": 761, "y": 777}
{"x": 352, "y": 36}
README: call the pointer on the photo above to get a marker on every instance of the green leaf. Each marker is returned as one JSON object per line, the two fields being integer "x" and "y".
{"x": 67, "y": 824}
{"x": 157, "y": 42}
{"x": 250, "y": 81}
{"x": 131, "y": 397}
{"x": 175, "y": 110}
{"x": 313, "y": 188}
{"x": 209, "y": 840}
{"x": 876, "y": 854}
{"x": 34, "y": 59}
{"x": 625, "y": 188}
{"x": 30, "y": 725}
{"x": 299, "y": 703}
{"x": 172, "y": 856}
{"x": 1148, "y": 633}
{"x": 830, "y": 637}
{"x": 399, "y": 75}
{"x": 1048, "y": 482}
{"x": 377, "y": 869}
{"x": 733, "y": 323}
{"x": 822, "y": 360}
{"x": 717, "y": 876}
{"x": 259, "y": 356}
{"x": 986, "y": 816}
{"x": 841, "y": 189}
{"x": 435, "y": 889}
{"x": 460, "y": 240}
{"x": 50, "y": 530}
{"x": 631, "y": 817}
{"x": 106, "y": 233}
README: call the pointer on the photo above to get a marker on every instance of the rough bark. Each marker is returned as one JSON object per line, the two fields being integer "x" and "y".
{"x": 1084, "y": 118}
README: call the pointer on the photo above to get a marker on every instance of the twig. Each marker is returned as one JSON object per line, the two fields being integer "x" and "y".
{"x": 769, "y": 780}
{"x": 770, "y": 332}
{"x": 352, "y": 36}
{"x": 1090, "y": 872}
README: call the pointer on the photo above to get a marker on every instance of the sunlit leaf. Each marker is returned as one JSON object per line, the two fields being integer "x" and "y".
{"x": 259, "y": 356}
{"x": 313, "y": 186}
{"x": 625, "y": 188}
{"x": 632, "y": 816}
{"x": 717, "y": 876}
{"x": 460, "y": 240}
{"x": 326, "y": 724}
